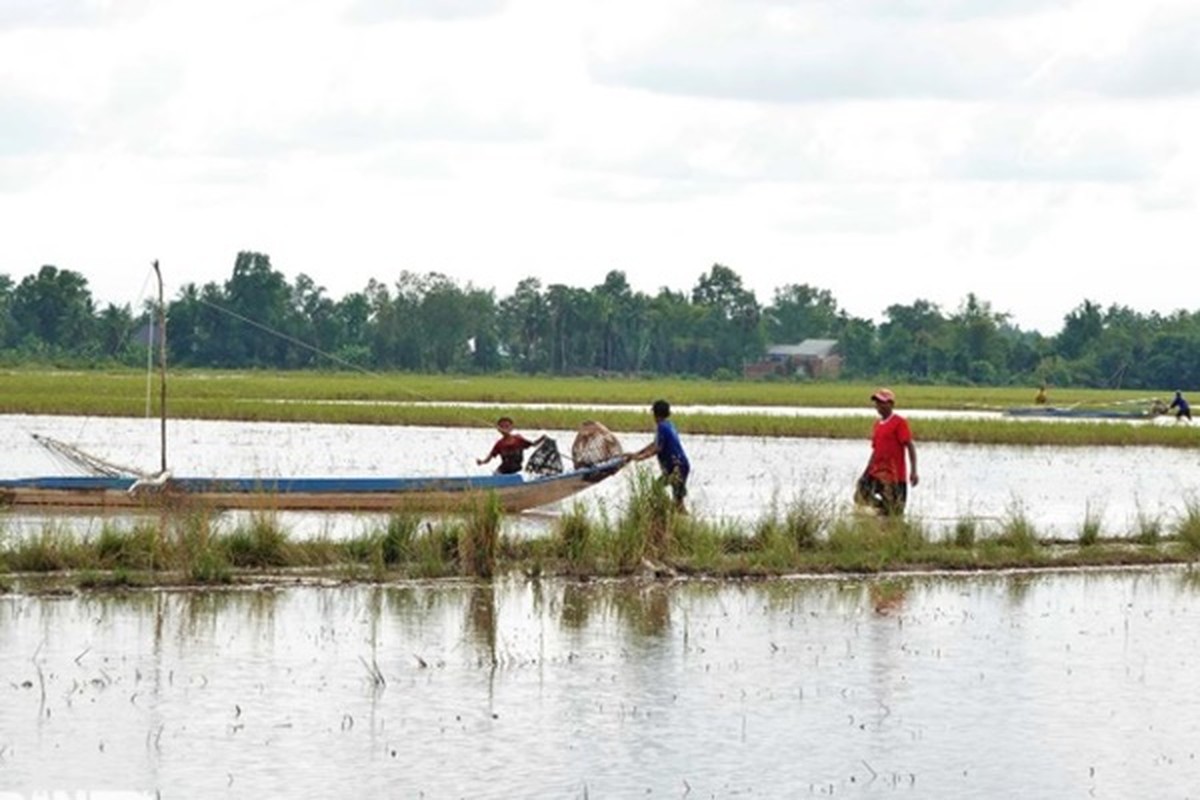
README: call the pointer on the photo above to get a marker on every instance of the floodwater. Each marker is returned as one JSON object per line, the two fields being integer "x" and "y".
{"x": 865, "y": 410}
{"x": 1057, "y": 489}
{"x": 1055, "y": 685}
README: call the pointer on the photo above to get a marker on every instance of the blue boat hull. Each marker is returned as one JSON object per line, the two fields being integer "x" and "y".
{"x": 514, "y": 492}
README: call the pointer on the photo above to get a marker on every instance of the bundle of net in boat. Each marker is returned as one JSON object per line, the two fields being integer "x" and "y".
{"x": 594, "y": 444}
{"x": 545, "y": 460}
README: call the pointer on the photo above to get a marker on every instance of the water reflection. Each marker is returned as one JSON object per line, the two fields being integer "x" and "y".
{"x": 480, "y": 622}
{"x": 562, "y": 688}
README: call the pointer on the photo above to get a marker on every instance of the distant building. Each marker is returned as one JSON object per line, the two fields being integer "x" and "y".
{"x": 812, "y": 358}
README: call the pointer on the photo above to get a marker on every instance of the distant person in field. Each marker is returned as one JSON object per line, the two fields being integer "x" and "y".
{"x": 509, "y": 448}
{"x": 1041, "y": 398}
{"x": 671, "y": 459}
{"x": 884, "y": 483}
{"x": 1182, "y": 409}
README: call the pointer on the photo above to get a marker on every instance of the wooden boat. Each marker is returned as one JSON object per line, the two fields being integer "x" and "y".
{"x": 513, "y": 492}
{"x": 114, "y": 487}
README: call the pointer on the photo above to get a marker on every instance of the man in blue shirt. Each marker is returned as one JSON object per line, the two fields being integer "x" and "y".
{"x": 671, "y": 458}
{"x": 1183, "y": 409}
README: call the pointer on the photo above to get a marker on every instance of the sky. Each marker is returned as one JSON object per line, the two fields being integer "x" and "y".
{"x": 1032, "y": 152}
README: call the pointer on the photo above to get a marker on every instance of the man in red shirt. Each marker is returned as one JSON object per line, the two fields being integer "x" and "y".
{"x": 884, "y": 483}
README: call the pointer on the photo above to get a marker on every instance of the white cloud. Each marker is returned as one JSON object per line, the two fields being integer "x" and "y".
{"x": 374, "y": 11}
{"x": 884, "y": 149}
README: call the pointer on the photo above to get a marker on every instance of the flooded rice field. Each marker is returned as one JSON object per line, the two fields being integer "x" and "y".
{"x": 1051, "y": 685}
{"x": 734, "y": 478}
{"x": 865, "y": 411}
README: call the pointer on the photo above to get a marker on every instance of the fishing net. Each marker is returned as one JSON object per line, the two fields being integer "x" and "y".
{"x": 594, "y": 444}
{"x": 86, "y": 462}
{"x": 545, "y": 460}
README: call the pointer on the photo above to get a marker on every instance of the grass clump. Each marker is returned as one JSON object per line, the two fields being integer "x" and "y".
{"x": 51, "y": 550}
{"x": 139, "y": 548}
{"x": 398, "y": 536}
{"x": 1187, "y": 528}
{"x": 436, "y": 551}
{"x": 1089, "y": 532}
{"x": 199, "y": 551}
{"x": 480, "y": 537}
{"x": 574, "y": 533}
{"x": 211, "y": 567}
{"x": 797, "y": 528}
{"x": 643, "y": 529}
{"x": 384, "y": 550}
{"x": 1017, "y": 532}
{"x": 965, "y": 532}
{"x": 1148, "y": 528}
{"x": 263, "y": 544}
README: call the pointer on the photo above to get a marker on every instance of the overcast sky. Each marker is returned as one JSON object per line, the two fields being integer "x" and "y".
{"x": 1033, "y": 152}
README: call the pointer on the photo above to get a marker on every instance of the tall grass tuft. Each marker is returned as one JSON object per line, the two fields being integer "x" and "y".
{"x": 263, "y": 544}
{"x": 574, "y": 533}
{"x": 702, "y": 543}
{"x": 966, "y": 532}
{"x": 644, "y": 528}
{"x": 1187, "y": 528}
{"x": 873, "y": 543}
{"x": 805, "y": 519}
{"x": 1149, "y": 528}
{"x": 198, "y": 551}
{"x": 436, "y": 551}
{"x": 139, "y": 548}
{"x": 1089, "y": 532}
{"x": 1017, "y": 532}
{"x": 770, "y": 546}
{"x": 51, "y": 550}
{"x": 398, "y": 537}
{"x": 480, "y": 537}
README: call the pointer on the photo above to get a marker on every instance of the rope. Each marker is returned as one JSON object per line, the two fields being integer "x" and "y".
{"x": 314, "y": 349}
{"x": 289, "y": 338}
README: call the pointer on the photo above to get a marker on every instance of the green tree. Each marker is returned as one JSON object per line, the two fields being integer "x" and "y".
{"x": 6, "y": 326}
{"x": 396, "y": 337}
{"x": 980, "y": 351}
{"x": 258, "y": 300}
{"x": 445, "y": 320}
{"x": 114, "y": 333}
{"x": 54, "y": 307}
{"x": 912, "y": 341}
{"x": 673, "y": 323}
{"x": 800, "y": 312}
{"x": 731, "y": 331}
{"x": 1081, "y": 329}
{"x": 523, "y": 321}
{"x": 352, "y": 315}
{"x": 857, "y": 343}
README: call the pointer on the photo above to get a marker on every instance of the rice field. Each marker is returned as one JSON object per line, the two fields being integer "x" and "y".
{"x": 350, "y": 398}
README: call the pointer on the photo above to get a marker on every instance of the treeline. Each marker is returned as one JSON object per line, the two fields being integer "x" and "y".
{"x": 432, "y": 323}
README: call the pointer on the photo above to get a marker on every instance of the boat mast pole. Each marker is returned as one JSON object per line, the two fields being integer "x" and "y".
{"x": 162, "y": 363}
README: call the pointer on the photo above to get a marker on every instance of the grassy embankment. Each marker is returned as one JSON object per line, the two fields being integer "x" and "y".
{"x": 646, "y": 538}
{"x": 351, "y": 398}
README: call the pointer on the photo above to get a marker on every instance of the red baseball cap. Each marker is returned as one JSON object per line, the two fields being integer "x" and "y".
{"x": 884, "y": 396}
